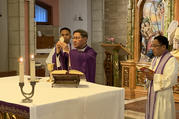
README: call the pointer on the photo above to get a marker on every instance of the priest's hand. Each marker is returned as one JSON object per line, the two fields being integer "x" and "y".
{"x": 65, "y": 47}
{"x": 62, "y": 45}
{"x": 58, "y": 47}
{"x": 149, "y": 76}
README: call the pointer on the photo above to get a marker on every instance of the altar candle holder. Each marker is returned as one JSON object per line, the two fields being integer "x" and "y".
{"x": 27, "y": 96}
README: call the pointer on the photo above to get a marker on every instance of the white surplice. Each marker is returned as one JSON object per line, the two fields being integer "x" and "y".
{"x": 163, "y": 83}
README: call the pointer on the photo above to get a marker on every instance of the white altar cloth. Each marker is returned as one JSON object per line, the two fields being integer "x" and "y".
{"x": 88, "y": 101}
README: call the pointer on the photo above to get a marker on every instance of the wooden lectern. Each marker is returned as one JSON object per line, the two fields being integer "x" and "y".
{"x": 114, "y": 53}
{"x": 129, "y": 78}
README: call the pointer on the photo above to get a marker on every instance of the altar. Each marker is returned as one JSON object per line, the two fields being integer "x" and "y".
{"x": 88, "y": 101}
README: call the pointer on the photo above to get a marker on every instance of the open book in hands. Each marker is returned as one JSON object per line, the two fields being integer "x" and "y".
{"x": 146, "y": 70}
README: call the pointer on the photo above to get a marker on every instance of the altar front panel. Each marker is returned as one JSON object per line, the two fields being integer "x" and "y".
{"x": 89, "y": 101}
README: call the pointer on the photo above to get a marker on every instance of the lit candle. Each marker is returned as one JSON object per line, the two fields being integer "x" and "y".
{"x": 32, "y": 68}
{"x": 21, "y": 70}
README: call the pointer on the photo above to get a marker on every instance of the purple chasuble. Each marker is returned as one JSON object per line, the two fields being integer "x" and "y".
{"x": 151, "y": 98}
{"x": 84, "y": 61}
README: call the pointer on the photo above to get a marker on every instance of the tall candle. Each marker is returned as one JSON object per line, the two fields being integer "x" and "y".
{"x": 21, "y": 70}
{"x": 32, "y": 68}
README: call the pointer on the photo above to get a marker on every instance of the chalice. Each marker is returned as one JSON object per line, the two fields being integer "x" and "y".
{"x": 50, "y": 69}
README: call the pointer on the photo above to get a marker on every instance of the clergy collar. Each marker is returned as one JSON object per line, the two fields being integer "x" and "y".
{"x": 83, "y": 49}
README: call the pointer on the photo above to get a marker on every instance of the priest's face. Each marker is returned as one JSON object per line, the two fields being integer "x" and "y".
{"x": 66, "y": 35}
{"x": 79, "y": 42}
{"x": 157, "y": 48}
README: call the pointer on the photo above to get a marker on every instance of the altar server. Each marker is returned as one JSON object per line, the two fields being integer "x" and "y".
{"x": 57, "y": 56}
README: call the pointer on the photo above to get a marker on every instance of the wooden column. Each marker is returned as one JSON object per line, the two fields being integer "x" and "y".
{"x": 176, "y": 10}
{"x": 129, "y": 78}
{"x": 137, "y": 22}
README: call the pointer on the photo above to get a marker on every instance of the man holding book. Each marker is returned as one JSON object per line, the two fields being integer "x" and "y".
{"x": 162, "y": 76}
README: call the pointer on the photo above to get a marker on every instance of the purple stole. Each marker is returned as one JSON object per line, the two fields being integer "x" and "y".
{"x": 151, "y": 99}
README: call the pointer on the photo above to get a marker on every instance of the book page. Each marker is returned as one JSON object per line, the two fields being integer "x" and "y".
{"x": 146, "y": 70}
{"x": 65, "y": 71}
{"x": 75, "y": 72}
{"x": 59, "y": 72}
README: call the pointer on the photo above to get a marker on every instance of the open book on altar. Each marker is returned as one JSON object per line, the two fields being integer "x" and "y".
{"x": 64, "y": 77}
{"x": 67, "y": 72}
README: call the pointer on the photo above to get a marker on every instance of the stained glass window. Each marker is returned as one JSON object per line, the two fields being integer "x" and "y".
{"x": 41, "y": 14}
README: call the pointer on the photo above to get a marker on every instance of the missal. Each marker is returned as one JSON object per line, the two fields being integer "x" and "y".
{"x": 67, "y": 72}
{"x": 146, "y": 70}
{"x": 66, "y": 78}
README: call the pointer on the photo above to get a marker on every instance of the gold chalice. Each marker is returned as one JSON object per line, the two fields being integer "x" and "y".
{"x": 50, "y": 69}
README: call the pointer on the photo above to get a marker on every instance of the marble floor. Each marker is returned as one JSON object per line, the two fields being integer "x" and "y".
{"x": 138, "y": 112}
{"x": 129, "y": 114}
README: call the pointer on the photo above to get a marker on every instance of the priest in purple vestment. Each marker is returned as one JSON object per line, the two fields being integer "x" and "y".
{"x": 83, "y": 57}
{"x": 160, "y": 101}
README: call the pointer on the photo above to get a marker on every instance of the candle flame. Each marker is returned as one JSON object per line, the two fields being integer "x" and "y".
{"x": 32, "y": 56}
{"x": 21, "y": 59}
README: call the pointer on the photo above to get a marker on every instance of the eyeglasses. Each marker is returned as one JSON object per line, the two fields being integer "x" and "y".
{"x": 77, "y": 38}
{"x": 154, "y": 46}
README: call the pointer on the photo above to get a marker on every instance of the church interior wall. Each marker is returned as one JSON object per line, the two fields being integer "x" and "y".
{"x": 3, "y": 36}
{"x": 98, "y": 37}
{"x": 75, "y": 14}
{"x": 116, "y": 20}
{"x": 16, "y": 32}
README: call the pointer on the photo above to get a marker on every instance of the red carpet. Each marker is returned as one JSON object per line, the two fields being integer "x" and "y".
{"x": 139, "y": 106}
